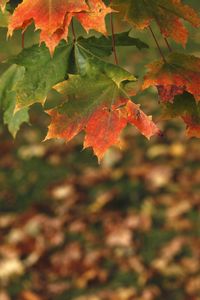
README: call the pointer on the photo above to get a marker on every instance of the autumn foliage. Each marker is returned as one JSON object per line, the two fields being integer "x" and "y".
{"x": 97, "y": 96}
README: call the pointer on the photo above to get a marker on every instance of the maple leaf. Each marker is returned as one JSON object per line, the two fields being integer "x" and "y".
{"x": 94, "y": 18}
{"x": 166, "y": 13}
{"x": 186, "y": 108}
{"x": 53, "y": 17}
{"x": 139, "y": 119}
{"x": 102, "y": 46}
{"x": 177, "y": 74}
{"x": 34, "y": 85}
{"x": 102, "y": 126}
{"x": 96, "y": 101}
{"x": 8, "y": 83}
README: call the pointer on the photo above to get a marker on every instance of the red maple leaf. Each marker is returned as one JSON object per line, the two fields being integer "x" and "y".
{"x": 167, "y": 92}
{"x": 172, "y": 77}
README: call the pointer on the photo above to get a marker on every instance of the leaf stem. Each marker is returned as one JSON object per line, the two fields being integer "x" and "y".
{"x": 158, "y": 46}
{"x": 73, "y": 30}
{"x": 168, "y": 45}
{"x": 113, "y": 39}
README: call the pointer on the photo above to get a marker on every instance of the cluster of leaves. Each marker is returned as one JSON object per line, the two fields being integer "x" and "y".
{"x": 128, "y": 229}
{"x": 96, "y": 95}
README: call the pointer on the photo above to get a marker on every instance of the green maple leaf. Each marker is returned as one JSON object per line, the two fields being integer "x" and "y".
{"x": 96, "y": 100}
{"x": 102, "y": 46}
{"x": 29, "y": 79}
{"x": 100, "y": 85}
{"x": 96, "y": 82}
{"x": 8, "y": 82}
{"x": 41, "y": 72}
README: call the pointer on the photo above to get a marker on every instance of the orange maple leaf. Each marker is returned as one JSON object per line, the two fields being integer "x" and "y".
{"x": 103, "y": 126}
{"x": 53, "y": 18}
{"x": 94, "y": 19}
{"x": 177, "y": 74}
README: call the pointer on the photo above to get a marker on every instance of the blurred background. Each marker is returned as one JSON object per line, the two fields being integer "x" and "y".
{"x": 128, "y": 229}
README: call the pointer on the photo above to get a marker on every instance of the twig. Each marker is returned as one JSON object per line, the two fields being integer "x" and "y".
{"x": 113, "y": 39}
{"x": 155, "y": 39}
{"x": 168, "y": 45}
